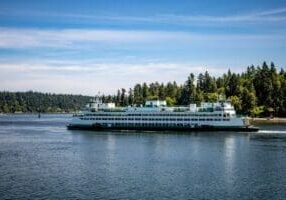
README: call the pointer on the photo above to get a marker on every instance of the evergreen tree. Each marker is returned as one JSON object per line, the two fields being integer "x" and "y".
{"x": 138, "y": 94}
{"x": 130, "y": 97}
{"x": 259, "y": 91}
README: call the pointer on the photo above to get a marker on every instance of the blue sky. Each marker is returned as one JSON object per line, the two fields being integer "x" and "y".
{"x": 83, "y": 47}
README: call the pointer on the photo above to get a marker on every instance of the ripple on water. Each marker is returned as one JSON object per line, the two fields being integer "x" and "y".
{"x": 41, "y": 159}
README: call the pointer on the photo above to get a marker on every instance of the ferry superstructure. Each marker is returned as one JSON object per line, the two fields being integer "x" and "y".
{"x": 156, "y": 115}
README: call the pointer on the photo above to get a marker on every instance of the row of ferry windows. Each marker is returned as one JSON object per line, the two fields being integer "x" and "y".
{"x": 148, "y": 124}
{"x": 150, "y": 114}
{"x": 125, "y": 119}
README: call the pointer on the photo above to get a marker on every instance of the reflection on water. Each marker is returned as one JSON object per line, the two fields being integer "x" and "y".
{"x": 41, "y": 159}
{"x": 230, "y": 151}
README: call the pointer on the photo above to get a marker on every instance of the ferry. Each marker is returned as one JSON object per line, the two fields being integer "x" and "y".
{"x": 156, "y": 115}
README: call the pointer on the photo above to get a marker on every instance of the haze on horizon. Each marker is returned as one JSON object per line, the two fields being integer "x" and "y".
{"x": 83, "y": 47}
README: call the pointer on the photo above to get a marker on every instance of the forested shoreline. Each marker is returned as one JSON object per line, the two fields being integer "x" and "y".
{"x": 259, "y": 91}
{"x": 31, "y": 102}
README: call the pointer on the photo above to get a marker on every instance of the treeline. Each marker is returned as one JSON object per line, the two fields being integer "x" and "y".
{"x": 11, "y": 102}
{"x": 258, "y": 91}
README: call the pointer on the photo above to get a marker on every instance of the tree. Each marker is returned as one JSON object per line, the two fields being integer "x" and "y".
{"x": 236, "y": 102}
{"x": 123, "y": 98}
{"x": 118, "y": 98}
{"x": 210, "y": 83}
{"x": 171, "y": 89}
{"x": 248, "y": 101}
{"x": 232, "y": 85}
{"x": 256, "y": 111}
{"x": 189, "y": 91}
{"x": 170, "y": 101}
{"x": 130, "y": 97}
{"x": 211, "y": 97}
{"x": 145, "y": 92}
{"x": 258, "y": 91}
{"x": 138, "y": 95}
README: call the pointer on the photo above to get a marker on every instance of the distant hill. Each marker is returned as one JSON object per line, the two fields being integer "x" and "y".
{"x": 11, "y": 102}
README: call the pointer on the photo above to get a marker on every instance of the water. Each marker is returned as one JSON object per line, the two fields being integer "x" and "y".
{"x": 41, "y": 159}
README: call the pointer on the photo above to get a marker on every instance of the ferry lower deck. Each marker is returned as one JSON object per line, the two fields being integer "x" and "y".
{"x": 160, "y": 127}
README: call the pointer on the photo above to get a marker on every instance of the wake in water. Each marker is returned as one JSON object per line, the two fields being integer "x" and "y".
{"x": 270, "y": 134}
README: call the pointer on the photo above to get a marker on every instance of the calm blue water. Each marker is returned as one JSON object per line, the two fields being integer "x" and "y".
{"x": 40, "y": 159}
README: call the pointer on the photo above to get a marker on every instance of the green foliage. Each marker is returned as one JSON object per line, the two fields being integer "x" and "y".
{"x": 248, "y": 101}
{"x": 11, "y": 102}
{"x": 256, "y": 111}
{"x": 236, "y": 102}
{"x": 211, "y": 97}
{"x": 170, "y": 101}
{"x": 259, "y": 91}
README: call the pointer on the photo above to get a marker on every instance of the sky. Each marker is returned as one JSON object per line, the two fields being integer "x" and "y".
{"x": 91, "y": 46}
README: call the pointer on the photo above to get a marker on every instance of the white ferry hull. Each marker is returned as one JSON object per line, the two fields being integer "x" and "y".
{"x": 99, "y": 127}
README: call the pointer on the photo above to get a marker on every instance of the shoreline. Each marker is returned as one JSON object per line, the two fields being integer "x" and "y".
{"x": 265, "y": 120}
